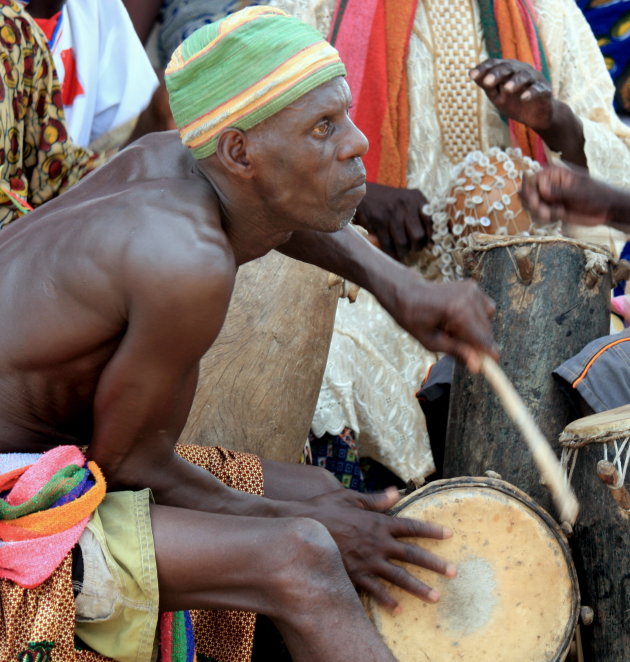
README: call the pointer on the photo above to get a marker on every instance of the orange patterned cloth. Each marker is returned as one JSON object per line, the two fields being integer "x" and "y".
{"x": 38, "y": 624}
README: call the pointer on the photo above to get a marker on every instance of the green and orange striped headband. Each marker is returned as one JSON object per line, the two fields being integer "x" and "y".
{"x": 243, "y": 69}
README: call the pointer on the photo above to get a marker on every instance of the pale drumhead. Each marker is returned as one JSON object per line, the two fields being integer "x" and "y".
{"x": 608, "y": 422}
{"x": 515, "y": 596}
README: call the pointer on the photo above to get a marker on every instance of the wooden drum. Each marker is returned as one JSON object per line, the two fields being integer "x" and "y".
{"x": 596, "y": 453}
{"x": 515, "y": 596}
{"x": 259, "y": 382}
{"x": 552, "y": 296}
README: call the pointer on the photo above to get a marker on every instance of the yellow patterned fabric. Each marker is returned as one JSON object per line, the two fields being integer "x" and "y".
{"x": 41, "y": 621}
{"x": 38, "y": 160}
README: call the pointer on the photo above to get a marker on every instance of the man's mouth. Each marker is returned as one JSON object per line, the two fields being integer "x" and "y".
{"x": 359, "y": 181}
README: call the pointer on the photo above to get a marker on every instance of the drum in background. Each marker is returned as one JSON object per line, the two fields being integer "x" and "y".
{"x": 259, "y": 382}
{"x": 515, "y": 596}
{"x": 552, "y": 296}
{"x": 596, "y": 452}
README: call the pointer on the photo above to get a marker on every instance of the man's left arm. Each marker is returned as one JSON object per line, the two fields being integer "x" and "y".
{"x": 451, "y": 317}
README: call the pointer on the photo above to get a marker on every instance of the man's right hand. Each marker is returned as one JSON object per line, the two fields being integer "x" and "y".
{"x": 395, "y": 216}
{"x": 370, "y": 541}
{"x": 449, "y": 317}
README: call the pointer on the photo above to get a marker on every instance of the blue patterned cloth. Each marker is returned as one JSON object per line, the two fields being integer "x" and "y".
{"x": 339, "y": 454}
{"x": 610, "y": 22}
{"x": 180, "y": 18}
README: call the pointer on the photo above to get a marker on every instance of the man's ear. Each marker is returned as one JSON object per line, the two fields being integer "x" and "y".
{"x": 232, "y": 152}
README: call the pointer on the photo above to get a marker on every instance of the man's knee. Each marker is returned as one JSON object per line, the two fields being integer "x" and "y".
{"x": 309, "y": 543}
{"x": 309, "y": 562}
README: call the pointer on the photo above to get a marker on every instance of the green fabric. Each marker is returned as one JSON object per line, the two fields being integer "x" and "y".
{"x": 490, "y": 29}
{"x": 179, "y": 646}
{"x": 240, "y": 59}
{"x": 491, "y": 35}
{"x": 64, "y": 481}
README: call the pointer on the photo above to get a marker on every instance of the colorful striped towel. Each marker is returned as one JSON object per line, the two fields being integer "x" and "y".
{"x": 45, "y": 503}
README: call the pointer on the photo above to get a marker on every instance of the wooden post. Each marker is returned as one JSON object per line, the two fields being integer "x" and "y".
{"x": 259, "y": 382}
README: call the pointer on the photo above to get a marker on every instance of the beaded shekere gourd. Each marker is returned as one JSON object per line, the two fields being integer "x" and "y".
{"x": 481, "y": 197}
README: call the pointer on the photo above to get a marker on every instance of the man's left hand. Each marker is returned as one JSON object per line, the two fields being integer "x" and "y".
{"x": 371, "y": 542}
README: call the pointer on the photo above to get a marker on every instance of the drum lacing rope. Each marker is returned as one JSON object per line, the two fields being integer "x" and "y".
{"x": 597, "y": 258}
{"x": 484, "y": 243}
{"x": 620, "y": 458}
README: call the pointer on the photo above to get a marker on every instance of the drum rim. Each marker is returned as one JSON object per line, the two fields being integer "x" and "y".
{"x": 496, "y": 484}
{"x": 483, "y": 242}
{"x": 599, "y": 427}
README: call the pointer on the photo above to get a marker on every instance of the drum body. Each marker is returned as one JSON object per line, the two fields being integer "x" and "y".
{"x": 259, "y": 382}
{"x": 515, "y": 595}
{"x": 601, "y": 537}
{"x": 549, "y": 305}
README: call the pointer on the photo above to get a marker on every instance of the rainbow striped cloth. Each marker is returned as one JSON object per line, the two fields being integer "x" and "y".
{"x": 177, "y": 640}
{"x": 511, "y": 31}
{"x": 46, "y": 500}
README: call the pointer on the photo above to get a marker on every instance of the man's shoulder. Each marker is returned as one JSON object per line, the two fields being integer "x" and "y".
{"x": 155, "y": 156}
{"x": 156, "y": 171}
{"x": 179, "y": 245}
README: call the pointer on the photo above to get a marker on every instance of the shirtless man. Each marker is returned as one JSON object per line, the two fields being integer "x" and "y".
{"x": 111, "y": 294}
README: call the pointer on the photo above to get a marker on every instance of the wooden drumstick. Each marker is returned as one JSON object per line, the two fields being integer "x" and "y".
{"x": 544, "y": 457}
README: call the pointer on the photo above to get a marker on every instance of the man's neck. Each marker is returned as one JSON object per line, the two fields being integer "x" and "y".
{"x": 250, "y": 232}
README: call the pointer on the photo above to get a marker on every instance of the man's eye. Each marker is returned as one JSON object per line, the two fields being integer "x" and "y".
{"x": 322, "y": 128}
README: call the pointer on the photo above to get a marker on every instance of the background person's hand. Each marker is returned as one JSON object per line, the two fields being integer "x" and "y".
{"x": 369, "y": 540}
{"x": 395, "y": 216}
{"x": 571, "y": 195}
{"x": 519, "y": 91}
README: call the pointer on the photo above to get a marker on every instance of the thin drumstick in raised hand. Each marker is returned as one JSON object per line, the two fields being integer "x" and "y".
{"x": 544, "y": 457}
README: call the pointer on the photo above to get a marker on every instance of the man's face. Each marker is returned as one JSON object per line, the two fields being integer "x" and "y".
{"x": 308, "y": 157}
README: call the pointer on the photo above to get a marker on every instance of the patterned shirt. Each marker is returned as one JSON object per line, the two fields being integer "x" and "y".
{"x": 38, "y": 160}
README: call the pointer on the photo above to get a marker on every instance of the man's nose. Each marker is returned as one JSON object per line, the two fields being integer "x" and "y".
{"x": 355, "y": 143}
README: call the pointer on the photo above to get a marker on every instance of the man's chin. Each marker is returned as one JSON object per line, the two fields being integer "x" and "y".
{"x": 334, "y": 224}
{"x": 345, "y": 220}
{"x": 348, "y": 220}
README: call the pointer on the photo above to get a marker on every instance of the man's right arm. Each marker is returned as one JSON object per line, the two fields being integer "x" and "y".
{"x": 143, "y": 398}
{"x": 451, "y": 317}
